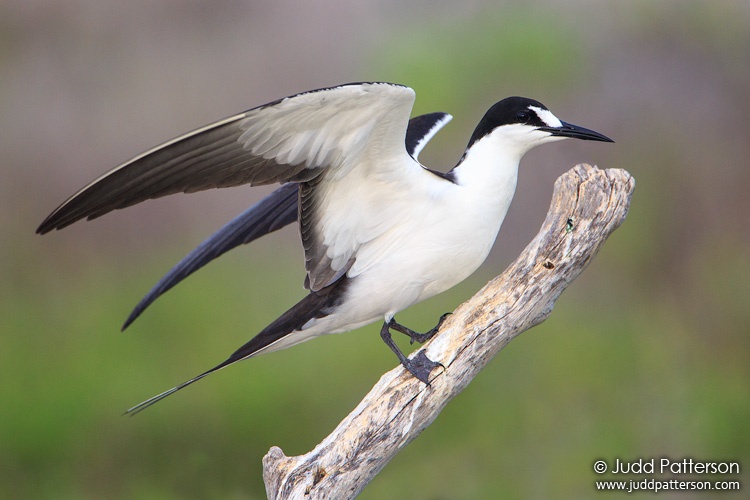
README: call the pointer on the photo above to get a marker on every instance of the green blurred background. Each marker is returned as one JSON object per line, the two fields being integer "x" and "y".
{"x": 646, "y": 355}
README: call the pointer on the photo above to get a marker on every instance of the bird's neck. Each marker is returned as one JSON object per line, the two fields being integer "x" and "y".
{"x": 490, "y": 165}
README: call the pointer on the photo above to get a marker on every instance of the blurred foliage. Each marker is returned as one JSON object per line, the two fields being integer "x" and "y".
{"x": 535, "y": 48}
{"x": 646, "y": 355}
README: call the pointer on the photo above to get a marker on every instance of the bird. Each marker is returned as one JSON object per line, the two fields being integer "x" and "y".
{"x": 380, "y": 231}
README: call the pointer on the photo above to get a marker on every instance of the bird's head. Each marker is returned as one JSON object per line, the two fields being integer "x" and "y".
{"x": 526, "y": 123}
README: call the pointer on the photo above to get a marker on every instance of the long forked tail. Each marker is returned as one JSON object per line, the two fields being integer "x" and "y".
{"x": 274, "y": 336}
{"x": 145, "y": 404}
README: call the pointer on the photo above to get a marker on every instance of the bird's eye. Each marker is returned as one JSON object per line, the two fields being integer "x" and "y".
{"x": 522, "y": 116}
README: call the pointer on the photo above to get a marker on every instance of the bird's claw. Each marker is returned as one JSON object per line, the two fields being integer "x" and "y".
{"x": 421, "y": 366}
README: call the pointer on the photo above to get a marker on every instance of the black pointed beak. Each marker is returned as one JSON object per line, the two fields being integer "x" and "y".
{"x": 576, "y": 132}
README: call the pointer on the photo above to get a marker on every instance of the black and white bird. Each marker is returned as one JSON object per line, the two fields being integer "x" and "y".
{"x": 380, "y": 231}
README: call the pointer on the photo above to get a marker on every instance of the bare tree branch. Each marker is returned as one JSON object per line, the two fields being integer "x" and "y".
{"x": 587, "y": 205}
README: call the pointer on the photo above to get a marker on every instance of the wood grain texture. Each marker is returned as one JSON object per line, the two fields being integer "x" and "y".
{"x": 588, "y": 204}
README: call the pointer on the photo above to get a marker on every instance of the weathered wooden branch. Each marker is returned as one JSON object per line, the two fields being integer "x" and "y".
{"x": 587, "y": 205}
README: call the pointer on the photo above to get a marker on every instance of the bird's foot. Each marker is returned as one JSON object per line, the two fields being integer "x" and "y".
{"x": 421, "y": 366}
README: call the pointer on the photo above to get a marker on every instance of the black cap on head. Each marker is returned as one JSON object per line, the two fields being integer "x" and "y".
{"x": 510, "y": 110}
{"x": 526, "y": 111}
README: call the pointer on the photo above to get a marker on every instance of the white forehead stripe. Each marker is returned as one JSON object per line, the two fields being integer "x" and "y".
{"x": 546, "y": 116}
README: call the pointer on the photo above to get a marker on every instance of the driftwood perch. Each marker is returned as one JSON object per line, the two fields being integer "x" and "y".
{"x": 587, "y": 205}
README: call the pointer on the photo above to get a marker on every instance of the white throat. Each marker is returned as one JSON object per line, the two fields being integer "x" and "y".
{"x": 493, "y": 160}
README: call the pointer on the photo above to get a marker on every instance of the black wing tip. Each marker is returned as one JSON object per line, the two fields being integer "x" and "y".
{"x": 47, "y": 225}
{"x": 129, "y": 321}
{"x": 149, "y": 299}
{"x": 59, "y": 220}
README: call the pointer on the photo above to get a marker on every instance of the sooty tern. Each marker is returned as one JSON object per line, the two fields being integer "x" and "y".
{"x": 380, "y": 231}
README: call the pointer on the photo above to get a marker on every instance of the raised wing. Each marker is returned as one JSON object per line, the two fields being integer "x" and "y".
{"x": 271, "y": 213}
{"x": 290, "y": 140}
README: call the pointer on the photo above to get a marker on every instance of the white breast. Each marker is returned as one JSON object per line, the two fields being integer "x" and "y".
{"x": 424, "y": 235}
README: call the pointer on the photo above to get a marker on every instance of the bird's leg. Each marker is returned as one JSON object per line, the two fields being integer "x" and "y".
{"x": 419, "y": 337}
{"x": 421, "y": 365}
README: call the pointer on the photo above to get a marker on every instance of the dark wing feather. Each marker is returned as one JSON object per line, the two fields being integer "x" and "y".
{"x": 205, "y": 158}
{"x": 271, "y": 213}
